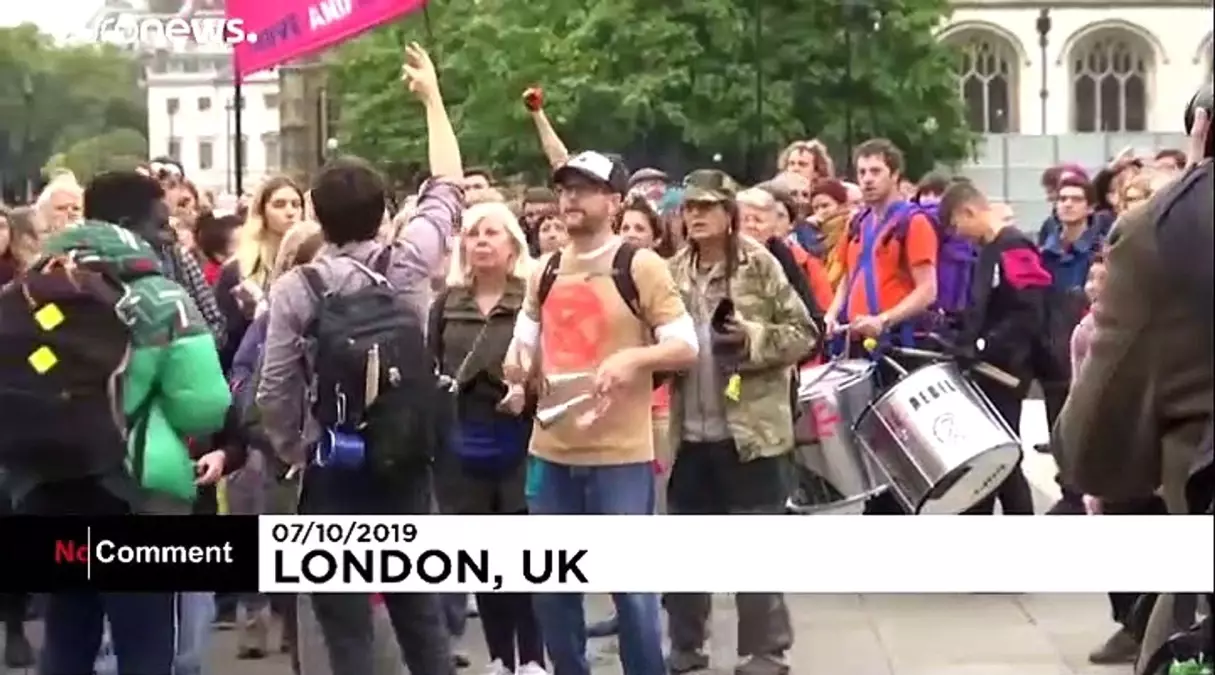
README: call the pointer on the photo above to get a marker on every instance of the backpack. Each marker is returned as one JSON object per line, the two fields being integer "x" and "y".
{"x": 956, "y": 259}
{"x": 64, "y": 348}
{"x": 622, "y": 277}
{"x": 370, "y": 342}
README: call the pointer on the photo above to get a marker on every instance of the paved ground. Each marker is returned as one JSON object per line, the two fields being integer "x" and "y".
{"x": 885, "y": 634}
{"x": 873, "y": 635}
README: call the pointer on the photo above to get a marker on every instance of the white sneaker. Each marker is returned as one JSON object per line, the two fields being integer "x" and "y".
{"x": 531, "y": 668}
{"x": 497, "y": 668}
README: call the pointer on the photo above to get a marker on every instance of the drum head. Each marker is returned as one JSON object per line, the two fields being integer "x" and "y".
{"x": 971, "y": 483}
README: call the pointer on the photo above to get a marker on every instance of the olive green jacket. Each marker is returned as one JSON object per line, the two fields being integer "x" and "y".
{"x": 779, "y": 335}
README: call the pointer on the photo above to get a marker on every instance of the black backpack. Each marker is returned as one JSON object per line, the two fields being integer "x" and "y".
{"x": 401, "y": 426}
{"x": 622, "y": 277}
{"x": 64, "y": 348}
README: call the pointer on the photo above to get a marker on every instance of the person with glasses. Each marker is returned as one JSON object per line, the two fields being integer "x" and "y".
{"x": 1067, "y": 253}
{"x": 731, "y": 417}
{"x": 605, "y": 317}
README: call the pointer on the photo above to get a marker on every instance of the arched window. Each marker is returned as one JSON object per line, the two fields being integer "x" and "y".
{"x": 987, "y": 78}
{"x": 1110, "y": 73}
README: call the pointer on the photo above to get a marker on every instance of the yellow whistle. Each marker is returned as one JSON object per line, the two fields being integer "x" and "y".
{"x": 734, "y": 387}
{"x": 869, "y": 344}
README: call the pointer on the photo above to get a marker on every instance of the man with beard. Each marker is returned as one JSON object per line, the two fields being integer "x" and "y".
{"x": 598, "y": 460}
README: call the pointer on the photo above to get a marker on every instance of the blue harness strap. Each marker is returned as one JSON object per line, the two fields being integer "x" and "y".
{"x": 871, "y": 232}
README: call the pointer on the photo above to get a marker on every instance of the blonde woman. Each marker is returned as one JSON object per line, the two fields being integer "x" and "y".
{"x": 243, "y": 283}
{"x": 484, "y": 469}
{"x": 241, "y": 290}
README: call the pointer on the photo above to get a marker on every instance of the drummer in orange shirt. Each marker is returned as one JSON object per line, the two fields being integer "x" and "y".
{"x": 890, "y": 260}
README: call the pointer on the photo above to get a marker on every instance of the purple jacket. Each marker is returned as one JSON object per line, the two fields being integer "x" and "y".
{"x": 418, "y": 254}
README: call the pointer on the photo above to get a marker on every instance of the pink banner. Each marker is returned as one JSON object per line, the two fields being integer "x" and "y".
{"x": 281, "y": 30}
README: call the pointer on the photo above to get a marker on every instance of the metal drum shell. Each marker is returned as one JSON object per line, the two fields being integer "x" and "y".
{"x": 940, "y": 442}
{"x": 836, "y": 394}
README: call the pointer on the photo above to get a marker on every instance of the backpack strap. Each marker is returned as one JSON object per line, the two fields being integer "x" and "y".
{"x": 622, "y": 276}
{"x": 316, "y": 285}
{"x": 383, "y": 261}
{"x": 870, "y": 232}
{"x": 548, "y": 277}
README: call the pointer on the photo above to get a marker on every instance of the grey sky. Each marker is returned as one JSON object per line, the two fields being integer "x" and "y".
{"x": 58, "y": 17}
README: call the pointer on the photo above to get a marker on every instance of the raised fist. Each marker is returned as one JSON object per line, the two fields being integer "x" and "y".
{"x": 533, "y": 98}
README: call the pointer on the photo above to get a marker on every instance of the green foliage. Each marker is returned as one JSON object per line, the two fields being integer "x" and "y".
{"x": 669, "y": 83}
{"x": 54, "y": 97}
{"x": 113, "y": 150}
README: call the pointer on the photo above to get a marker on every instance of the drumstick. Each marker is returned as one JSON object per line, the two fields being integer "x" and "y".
{"x": 871, "y": 345}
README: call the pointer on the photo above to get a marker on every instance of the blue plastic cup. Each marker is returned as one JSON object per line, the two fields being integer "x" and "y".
{"x": 340, "y": 450}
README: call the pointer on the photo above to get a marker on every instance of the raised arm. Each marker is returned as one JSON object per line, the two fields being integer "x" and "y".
{"x": 550, "y": 142}
{"x": 441, "y": 200}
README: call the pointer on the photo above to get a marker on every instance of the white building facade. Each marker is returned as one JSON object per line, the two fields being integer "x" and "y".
{"x": 192, "y": 118}
{"x": 191, "y": 111}
{"x": 1107, "y": 66}
{"x": 1109, "y": 75}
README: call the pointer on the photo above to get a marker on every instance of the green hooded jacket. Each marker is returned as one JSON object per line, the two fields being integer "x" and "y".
{"x": 174, "y": 358}
{"x": 779, "y": 334}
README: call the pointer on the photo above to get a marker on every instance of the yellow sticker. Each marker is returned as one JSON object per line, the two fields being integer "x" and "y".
{"x": 734, "y": 387}
{"x": 49, "y": 317}
{"x": 43, "y": 359}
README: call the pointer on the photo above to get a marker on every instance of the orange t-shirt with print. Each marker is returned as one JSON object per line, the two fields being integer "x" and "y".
{"x": 893, "y": 259}
{"x": 583, "y": 321}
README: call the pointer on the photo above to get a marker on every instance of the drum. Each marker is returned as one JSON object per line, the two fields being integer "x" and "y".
{"x": 940, "y": 442}
{"x": 831, "y": 398}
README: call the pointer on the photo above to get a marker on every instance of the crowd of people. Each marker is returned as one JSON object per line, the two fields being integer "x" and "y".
{"x": 315, "y": 353}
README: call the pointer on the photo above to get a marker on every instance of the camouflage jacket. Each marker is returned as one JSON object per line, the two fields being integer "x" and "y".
{"x": 779, "y": 334}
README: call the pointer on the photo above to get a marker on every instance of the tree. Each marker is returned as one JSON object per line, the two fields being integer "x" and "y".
{"x": 114, "y": 150}
{"x": 52, "y": 97}
{"x": 671, "y": 84}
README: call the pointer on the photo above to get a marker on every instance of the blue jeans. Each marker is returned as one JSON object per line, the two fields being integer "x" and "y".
{"x": 623, "y": 489}
{"x": 141, "y": 626}
{"x": 195, "y": 614}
